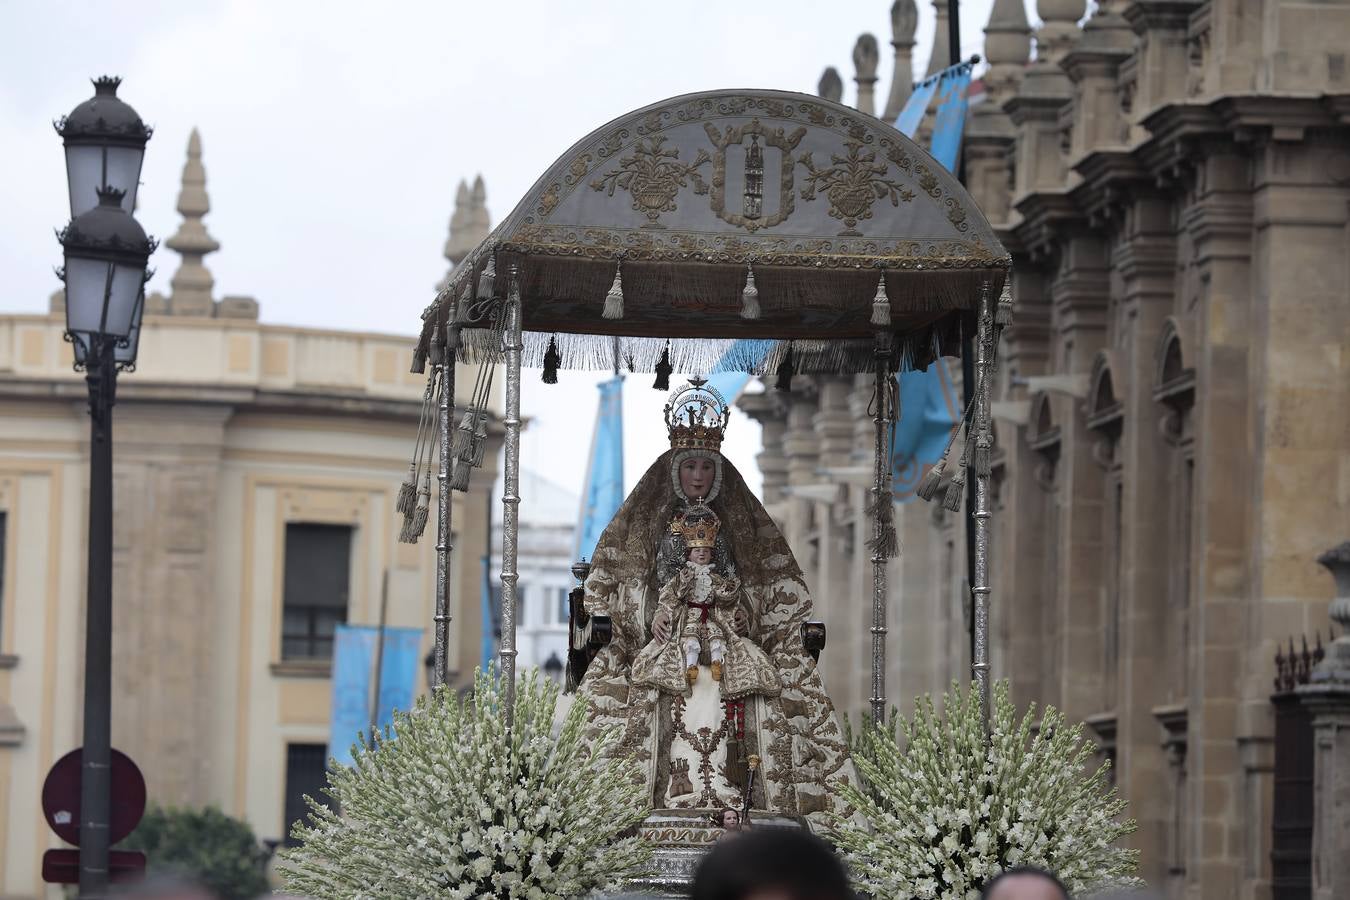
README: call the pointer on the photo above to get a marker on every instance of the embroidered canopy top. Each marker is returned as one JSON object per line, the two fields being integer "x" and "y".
{"x": 685, "y": 198}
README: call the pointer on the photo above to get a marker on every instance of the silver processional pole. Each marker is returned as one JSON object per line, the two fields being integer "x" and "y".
{"x": 511, "y": 492}
{"x": 980, "y": 590}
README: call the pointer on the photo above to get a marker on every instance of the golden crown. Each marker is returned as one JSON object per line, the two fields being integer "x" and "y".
{"x": 696, "y": 417}
{"x": 699, "y": 528}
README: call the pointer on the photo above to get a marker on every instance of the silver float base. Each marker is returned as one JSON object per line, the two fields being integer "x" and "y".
{"x": 680, "y": 837}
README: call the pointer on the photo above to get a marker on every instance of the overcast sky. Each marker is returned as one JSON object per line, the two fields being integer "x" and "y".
{"x": 334, "y": 134}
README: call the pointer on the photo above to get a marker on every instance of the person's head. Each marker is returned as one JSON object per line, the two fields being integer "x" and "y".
{"x": 772, "y": 864}
{"x": 698, "y": 474}
{"x": 1025, "y": 883}
{"x": 700, "y": 555}
{"x": 730, "y": 818}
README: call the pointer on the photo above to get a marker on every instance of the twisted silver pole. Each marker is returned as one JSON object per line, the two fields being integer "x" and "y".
{"x": 511, "y": 493}
{"x": 879, "y": 463}
{"x": 444, "y": 416}
{"x": 980, "y": 590}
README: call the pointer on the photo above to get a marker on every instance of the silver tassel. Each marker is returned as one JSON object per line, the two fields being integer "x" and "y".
{"x": 614, "y": 299}
{"x": 462, "y": 442}
{"x": 487, "y": 282}
{"x": 750, "y": 295}
{"x": 956, "y": 490}
{"x": 478, "y": 446}
{"x": 452, "y": 341}
{"x": 931, "y": 480}
{"x": 407, "y": 491}
{"x": 459, "y": 476}
{"x": 984, "y": 460}
{"x": 881, "y": 305}
{"x": 462, "y": 308}
{"x": 417, "y": 523}
{"x": 1003, "y": 313}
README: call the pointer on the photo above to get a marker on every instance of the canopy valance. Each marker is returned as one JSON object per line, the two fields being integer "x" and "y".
{"x": 735, "y": 215}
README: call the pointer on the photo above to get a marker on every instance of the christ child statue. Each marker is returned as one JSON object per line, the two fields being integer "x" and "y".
{"x": 696, "y": 613}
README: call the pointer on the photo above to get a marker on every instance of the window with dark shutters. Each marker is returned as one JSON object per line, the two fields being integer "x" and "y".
{"x": 316, "y": 588}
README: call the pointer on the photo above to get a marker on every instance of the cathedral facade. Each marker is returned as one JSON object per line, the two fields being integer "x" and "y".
{"x": 1172, "y": 413}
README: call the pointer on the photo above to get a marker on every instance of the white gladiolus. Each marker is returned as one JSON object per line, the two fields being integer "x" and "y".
{"x": 453, "y": 808}
{"x": 1027, "y": 800}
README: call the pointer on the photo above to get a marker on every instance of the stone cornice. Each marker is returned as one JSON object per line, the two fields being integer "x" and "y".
{"x": 241, "y": 398}
{"x": 1147, "y": 15}
{"x": 1046, "y": 215}
{"x": 1110, "y": 178}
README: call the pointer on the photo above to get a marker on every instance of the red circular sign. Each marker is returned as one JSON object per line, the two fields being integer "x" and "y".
{"x": 61, "y": 797}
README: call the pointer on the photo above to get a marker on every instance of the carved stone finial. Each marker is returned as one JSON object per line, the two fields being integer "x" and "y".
{"x": 941, "y": 57}
{"x": 469, "y": 224}
{"x": 1007, "y": 47}
{"x": 904, "y": 22}
{"x": 831, "y": 86}
{"x": 192, "y": 284}
{"x": 1337, "y": 562}
{"x": 865, "y": 59}
{"x": 1059, "y": 27}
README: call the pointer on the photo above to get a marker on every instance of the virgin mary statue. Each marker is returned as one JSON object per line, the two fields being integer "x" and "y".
{"x": 693, "y": 737}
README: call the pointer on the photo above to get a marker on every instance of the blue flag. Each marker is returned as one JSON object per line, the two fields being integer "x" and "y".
{"x": 487, "y": 648}
{"x": 949, "y": 124}
{"x": 353, "y": 668}
{"x": 604, "y": 474}
{"x": 929, "y": 409}
{"x": 912, "y": 114}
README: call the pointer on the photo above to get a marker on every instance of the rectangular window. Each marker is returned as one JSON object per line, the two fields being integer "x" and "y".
{"x": 306, "y": 766}
{"x": 317, "y": 585}
{"x": 563, "y": 610}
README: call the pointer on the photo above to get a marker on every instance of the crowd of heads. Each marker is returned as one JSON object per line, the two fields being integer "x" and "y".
{"x": 752, "y": 864}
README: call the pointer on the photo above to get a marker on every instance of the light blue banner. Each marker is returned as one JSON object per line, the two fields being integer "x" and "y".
{"x": 907, "y": 123}
{"x": 929, "y": 411}
{"x": 949, "y": 122}
{"x": 488, "y": 641}
{"x": 398, "y": 672}
{"x": 353, "y": 666}
{"x": 353, "y": 660}
{"x": 604, "y": 474}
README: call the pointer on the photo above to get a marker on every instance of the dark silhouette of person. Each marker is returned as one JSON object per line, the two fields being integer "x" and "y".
{"x": 772, "y": 864}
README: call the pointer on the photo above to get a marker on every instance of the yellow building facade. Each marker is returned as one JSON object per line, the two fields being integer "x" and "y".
{"x": 238, "y": 445}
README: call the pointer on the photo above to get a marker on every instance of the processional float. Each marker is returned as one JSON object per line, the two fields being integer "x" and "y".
{"x": 689, "y": 233}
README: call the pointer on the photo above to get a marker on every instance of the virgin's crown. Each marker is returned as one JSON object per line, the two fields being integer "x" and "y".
{"x": 696, "y": 417}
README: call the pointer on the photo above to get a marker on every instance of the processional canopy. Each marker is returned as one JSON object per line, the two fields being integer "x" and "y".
{"x": 705, "y": 223}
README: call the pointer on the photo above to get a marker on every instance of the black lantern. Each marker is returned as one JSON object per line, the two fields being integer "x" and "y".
{"x": 105, "y": 144}
{"x": 106, "y": 253}
{"x": 553, "y": 668}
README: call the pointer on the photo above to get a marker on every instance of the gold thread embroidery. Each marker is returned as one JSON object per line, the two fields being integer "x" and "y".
{"x": 852, "y": 183}
{"x": 653, "y": 177}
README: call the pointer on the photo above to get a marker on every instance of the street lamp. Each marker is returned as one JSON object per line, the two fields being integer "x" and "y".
{"x": 105, "y": 144}
{"x": 106, "y": 252}
{"x": 553, "y": 668}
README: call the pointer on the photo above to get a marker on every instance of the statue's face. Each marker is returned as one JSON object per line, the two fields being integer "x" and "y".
{"x": 731, "y": 819}
{"x": 696, "y": 477}
{"x": 701, "y": 555}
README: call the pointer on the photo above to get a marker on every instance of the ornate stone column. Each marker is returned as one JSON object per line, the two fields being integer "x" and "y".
{"x": 1327, "y": 697}
{"x": 865, "y": 59}
{"x": 904, "y": 19}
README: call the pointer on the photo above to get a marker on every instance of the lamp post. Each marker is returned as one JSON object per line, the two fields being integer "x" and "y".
{"x": 106, "y": 252}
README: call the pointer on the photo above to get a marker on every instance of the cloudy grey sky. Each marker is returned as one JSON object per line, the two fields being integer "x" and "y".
{"x": 334, "y": 134}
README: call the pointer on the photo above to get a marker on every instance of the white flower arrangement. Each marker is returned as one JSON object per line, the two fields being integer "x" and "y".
{"x": 943, "y": 815}
{"x": 446, "y": 806}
